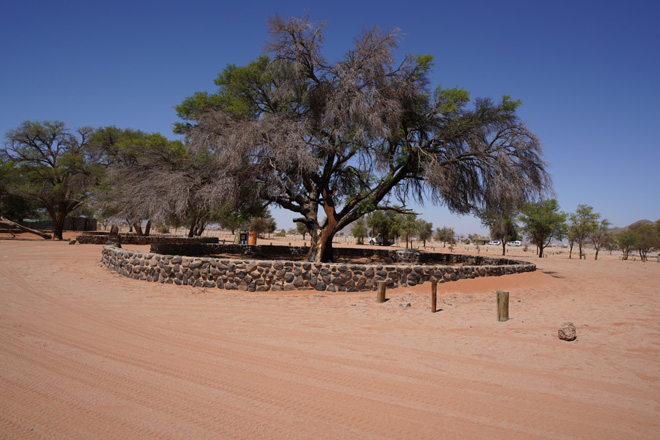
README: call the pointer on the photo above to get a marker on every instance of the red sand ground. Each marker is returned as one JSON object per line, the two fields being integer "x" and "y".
{"x": 88, "y": 354}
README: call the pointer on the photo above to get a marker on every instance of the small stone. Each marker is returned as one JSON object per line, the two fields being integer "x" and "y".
{"x": 405, "y": 304}
{"x": 567, "y": 332}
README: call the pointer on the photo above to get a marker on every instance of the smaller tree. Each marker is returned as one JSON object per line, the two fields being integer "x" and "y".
{"x": 258, "y": 225}
{"x": 626, "y": 240}
{"x": 601, "y": 236}
{"x": 571, "y": 242}
{"x": 271, "y": 226}
{"x": 302, "y": 229}
{"x": 543, "y": 222}
{"x": 584, "y": 223}
{"x": 407, "y": 227}
{"x": 359, "y": 230}
{"x": 383, "y": 224}
{"x": 424, "y": 230}
{"x": 263, "y": 223}
{"x": 501, "y": 223}
{"x": 235, "y": 218}
{"x": 647, "y": 238}
{"x": 444, "y": 235}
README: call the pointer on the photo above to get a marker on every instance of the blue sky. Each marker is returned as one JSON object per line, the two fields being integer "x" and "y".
{"x": 588, "y": 73}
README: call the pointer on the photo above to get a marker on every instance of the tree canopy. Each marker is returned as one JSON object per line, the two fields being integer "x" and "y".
{"x": 343, "y": 138}
{"x": 543, "y": 222}
{"x": 583, "y": 224}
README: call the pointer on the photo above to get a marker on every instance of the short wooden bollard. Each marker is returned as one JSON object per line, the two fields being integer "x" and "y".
{"x": 381, "y": 292}
{"x": 434, "y": 295}
{"x": 502, "y": 305}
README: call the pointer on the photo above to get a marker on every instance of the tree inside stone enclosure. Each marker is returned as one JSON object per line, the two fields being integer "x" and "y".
{"x": 335, "y": 140}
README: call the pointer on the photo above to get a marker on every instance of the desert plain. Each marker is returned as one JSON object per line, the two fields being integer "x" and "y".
{"x": 88, "y": 354}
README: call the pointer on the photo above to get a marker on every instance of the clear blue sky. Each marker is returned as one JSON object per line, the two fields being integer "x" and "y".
{"x": 588, "y": 73}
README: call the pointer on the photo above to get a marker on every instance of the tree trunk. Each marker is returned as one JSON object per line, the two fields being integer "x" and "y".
{"x": 320, "y": 249}
{"x": 11, "y": 224}
{"x": 540, "y": 251}
{"x": 58, "y": 223}
{"x": 503, "y": 248}
{"x": 138, "y": 228}
{"x": 147, "y": 229}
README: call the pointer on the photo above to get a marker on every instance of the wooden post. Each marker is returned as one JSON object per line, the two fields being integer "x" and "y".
{"x": 381, "y": 292}
{"x": 502, "y": 305}
{"x": 434, "y": 295}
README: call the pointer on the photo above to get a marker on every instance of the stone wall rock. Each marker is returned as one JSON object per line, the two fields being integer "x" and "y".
{"x": 277, "y": 275}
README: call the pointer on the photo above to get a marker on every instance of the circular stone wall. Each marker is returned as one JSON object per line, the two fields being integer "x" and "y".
{"x": 276, "y": 275}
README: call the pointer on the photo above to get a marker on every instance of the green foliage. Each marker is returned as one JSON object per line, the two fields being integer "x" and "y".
{"x": 242, "y": 94}
{"x": 583, "y": 224}
{"x": 449, "y": 101}
{"x": 263, "y": 223}
{"x": 543, "y": 222}
{"x": 444, "y": 234}
{"x": 646, "y": 238}
{"x": 17, "y": 208}
{"x": 406, "y": 225}
{"x": 601, "y": 236}
{"x": 302, "y": 229}
{"x": 236, "y": 218}
{"x": 359, "y": 230}
{"x": 124, "y": 147}
{"x": 383, "y": 224}
{"x": 424, "y": 230}
{"x": 626, "y": 240}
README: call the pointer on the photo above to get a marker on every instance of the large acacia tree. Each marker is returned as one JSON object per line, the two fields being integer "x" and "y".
{"x": 337, "y": 140}
{"x": 51, "y": 165}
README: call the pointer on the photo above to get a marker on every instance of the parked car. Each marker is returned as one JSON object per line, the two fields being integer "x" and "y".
{"x": 514, "y": 243}
{"x": 379, "y": 241}
{"x": 494, "y": 243}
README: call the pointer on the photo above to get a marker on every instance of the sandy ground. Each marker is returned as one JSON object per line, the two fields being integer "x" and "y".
{"x": 88, "y": 354}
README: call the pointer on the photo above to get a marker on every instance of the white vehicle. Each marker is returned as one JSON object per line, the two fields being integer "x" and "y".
{"x": 494, "y": 243}
{"x": 514, "y": 243}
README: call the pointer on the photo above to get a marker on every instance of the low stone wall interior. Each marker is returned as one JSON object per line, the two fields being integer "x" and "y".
{"x": 275, "y": 275}
{"x": 102, "y": 238}
{"x": 274, "y": 252}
